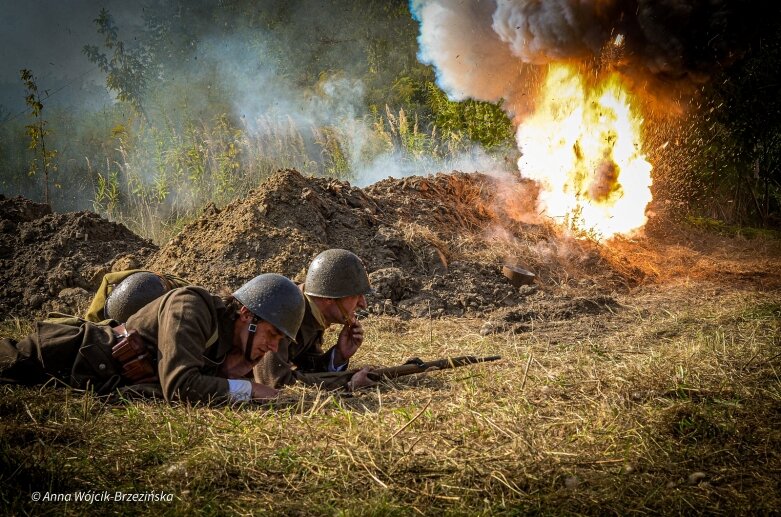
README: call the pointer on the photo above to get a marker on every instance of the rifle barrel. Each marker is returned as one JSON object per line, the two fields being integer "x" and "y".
{"x": 439, "y": 364}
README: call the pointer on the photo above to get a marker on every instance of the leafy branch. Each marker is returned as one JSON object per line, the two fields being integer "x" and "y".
{"x": 125, "y": 68}
{"x": 37, "y": 132}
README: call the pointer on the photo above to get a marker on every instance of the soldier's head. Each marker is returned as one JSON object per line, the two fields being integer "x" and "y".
{"x": 132, "y": 293}
{"x": 337, "y": 281}
{"x": 272, "y": 308}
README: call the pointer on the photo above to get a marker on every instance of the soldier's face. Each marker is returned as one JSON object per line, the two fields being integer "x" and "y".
{"x": 353, "y": 303}
{"x": 267, "y": 339}
{"x": 267, "y": 336}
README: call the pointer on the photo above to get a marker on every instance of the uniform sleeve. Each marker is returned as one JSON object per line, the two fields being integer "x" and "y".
{"x": 274, "y": 369}
{"x": 185, "y": 326}
{"x": 308, "y": 355}
{"x": 314, "y": 361}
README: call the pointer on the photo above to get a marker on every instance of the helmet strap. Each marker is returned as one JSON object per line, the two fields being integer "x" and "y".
{"x": 343, "y": 311}
{"x": 252, "y": 329}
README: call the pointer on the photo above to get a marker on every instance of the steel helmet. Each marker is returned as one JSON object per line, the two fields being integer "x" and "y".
{"x": 132, "y": 293}
{"x": 337, "y": 273}
{"x": 275, "y": 299}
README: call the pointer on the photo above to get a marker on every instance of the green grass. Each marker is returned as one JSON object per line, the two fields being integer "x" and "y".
{"x": 604, "y": 414}
{"x": 158, "y": 178}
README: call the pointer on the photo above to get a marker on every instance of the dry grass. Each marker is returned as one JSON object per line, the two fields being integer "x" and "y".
{"x": 670, "y": 405}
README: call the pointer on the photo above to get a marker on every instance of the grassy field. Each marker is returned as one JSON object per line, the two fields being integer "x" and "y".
{"x": 669, "y": 404}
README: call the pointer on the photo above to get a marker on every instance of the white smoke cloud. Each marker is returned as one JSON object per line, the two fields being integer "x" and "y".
{"x": 470, "y": 59}
{"x": 273, "y": 107}
{"x": 400, "y": 165}
{"x": 257, "y": 88}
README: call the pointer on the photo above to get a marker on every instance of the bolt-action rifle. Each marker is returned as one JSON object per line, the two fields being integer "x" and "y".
{"x": 416, "y": 365}
{"x": 412, "y": 366}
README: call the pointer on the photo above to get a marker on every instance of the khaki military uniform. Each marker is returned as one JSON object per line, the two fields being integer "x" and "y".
{"x": 96, "y": 310}
{"x": 191, "y": 330}
{"x": 295, "y": 362}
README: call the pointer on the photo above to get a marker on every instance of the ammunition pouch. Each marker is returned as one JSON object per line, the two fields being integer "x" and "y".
{"x": 136, "y": 359}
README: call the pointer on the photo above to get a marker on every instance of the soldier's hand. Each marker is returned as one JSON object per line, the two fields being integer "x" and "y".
{"x": 263, "y": 392}
{"x": 350, "y": 340}
{"x": 360, "y": 379}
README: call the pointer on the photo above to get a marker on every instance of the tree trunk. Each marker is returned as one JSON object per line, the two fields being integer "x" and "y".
{"x": 45, "y": 166}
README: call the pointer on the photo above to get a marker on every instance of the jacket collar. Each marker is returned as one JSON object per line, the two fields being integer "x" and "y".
{"x": 316, "y": 313}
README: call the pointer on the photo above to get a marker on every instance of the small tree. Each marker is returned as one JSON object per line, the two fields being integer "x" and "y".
{"x": 125, "y": 68}
{"x": 42, "y": 159}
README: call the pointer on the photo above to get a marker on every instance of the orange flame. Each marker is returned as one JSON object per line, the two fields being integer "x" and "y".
{"x": 583, "y": 146}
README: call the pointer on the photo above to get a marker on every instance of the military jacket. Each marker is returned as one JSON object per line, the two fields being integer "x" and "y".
{"x": 193, "y": 333}
{"x": 190, "y": 330}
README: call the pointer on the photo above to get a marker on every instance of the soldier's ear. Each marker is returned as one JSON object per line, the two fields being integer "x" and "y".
{"x": 245, "y": 315}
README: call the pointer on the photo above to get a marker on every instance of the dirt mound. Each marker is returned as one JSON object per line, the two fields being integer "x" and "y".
{"x": 283, "y": 224}
{"x": 53, "y": 262}
{"x": 277, "y": 228}
{"x": 424, "y": 240}
{"x": 434, "y": 246}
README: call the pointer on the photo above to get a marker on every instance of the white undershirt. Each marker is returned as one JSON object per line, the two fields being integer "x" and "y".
{"x": 240, "y": 390}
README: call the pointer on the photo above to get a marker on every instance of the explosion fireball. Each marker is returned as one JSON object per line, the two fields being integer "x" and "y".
{"x": 583, "y": 146}
{"x": 582, "y": 143}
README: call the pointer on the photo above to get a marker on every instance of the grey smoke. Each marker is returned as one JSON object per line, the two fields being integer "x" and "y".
{"x": 480, "y": 49}
{"x": 243, "y": 71}
{"x": 540, "y": 32}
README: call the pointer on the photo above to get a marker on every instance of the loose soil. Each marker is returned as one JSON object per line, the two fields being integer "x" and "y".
{"x": 54, "y": 262}
{"x": 434, "y": 246}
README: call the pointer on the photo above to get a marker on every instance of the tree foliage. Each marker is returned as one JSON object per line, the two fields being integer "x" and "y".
{"x": 126, "y": 68}
{"x": 738, "y": 138}
{"x": 482, "y": 122}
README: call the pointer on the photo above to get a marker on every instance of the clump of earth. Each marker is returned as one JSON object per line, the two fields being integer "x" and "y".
{"x": 54, "y": 262}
